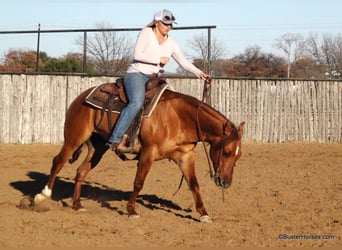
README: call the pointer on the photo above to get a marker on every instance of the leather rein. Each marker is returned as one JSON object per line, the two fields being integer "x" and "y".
{"x": 205, "y": 99}
{"x": 223, "y": 142}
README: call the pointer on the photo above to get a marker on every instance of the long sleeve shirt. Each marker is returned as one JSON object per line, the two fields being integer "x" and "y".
{"x": 148, "y": 51}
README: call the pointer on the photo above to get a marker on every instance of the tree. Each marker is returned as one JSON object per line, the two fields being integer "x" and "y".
{"x": 293, "y": 46}
{"x": 19, "y": 61}
{"x": 327, "y": 52}
{"x": 111, "y": 52}
{"x": 199, "y": 45}
{"x": 72, "y": 62}
{"x": 307, "y": 68}
{"x": 254, "y": 63}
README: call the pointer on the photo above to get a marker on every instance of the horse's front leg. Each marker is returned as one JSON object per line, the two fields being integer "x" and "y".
{"x": 144, "y": 166}
{"x": 186, "y": 161}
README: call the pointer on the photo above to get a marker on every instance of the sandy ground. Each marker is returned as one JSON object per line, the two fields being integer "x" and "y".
{"x": 282, "y": 195}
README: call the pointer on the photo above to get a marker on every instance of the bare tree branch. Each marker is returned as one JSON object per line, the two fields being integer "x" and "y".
{"x": 111, "y": 52}
{"x": 199, "y": 45}
{"x": 293, "y": 46}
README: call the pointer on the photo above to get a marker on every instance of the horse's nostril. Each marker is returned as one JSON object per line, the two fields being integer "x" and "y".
{"x": 221, "y": 183}
{"x": 225, "y": 184}
{"x": 217, "y": 181}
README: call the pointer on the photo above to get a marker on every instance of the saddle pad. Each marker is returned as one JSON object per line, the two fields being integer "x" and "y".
{"x": 118, "y": 106}
{"x": 150, "y": 107}
{"x": 99, "y": 96}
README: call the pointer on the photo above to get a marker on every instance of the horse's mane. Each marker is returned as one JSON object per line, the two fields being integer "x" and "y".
{"x": 195, "y": 103}
{"x": 227, "y": 125}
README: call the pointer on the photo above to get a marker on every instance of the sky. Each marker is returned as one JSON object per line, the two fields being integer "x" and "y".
{"x": 239, "y": 23}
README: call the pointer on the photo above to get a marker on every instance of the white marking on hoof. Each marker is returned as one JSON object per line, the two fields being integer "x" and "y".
{"x": 46, "y": 193}
{"x": 81, "y": 210}
{"x": 134, "y": 216}
{"x": 39, "y": 198}
{"x": 205, "y": 218}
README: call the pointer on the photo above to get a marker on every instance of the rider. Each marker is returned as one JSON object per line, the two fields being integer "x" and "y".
{"x": 153, "y": 49}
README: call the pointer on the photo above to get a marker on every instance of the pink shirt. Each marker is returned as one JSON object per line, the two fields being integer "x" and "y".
{"x": 148, "y": 49}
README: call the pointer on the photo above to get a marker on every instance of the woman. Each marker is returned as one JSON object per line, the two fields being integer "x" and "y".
{"x": 153, "y": 50}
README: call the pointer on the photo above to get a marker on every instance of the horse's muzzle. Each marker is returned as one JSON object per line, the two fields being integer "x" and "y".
{"x": 222, "y": 183}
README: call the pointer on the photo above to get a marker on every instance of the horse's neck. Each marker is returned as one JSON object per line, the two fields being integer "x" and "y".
{"x": 208, "y": 121}
{"x": 211, "y": 123}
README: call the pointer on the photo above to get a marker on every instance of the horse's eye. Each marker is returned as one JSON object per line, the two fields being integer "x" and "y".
{"x": 226, "y": 153}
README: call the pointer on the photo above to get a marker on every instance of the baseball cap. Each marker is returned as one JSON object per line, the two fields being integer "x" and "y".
{"x": 165, "y": 16}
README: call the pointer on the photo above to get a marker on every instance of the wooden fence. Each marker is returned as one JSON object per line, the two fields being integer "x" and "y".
{"x": 32, "y": 107}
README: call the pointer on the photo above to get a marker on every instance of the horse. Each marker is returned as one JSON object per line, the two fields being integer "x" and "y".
{"x": 177, "y": 124}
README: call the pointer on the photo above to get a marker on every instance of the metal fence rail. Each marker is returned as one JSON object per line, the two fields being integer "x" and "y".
{"x": 32, "y": 107}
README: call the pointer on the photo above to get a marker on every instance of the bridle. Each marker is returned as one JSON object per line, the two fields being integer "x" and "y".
{"x": 224, "y": 140}
{"x": 205, "y": 99}
{"x": 221, "y": 144}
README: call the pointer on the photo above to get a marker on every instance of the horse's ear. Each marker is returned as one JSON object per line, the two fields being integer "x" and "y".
{"x": 240, "y": 129}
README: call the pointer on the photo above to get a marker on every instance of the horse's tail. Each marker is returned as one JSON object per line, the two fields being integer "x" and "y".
{"x": 76, "y": 154}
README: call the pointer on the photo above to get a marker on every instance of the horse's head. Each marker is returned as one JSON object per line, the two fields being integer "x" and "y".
{"x": 224, "y": 155}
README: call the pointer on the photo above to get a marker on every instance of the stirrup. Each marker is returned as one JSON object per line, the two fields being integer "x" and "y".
{"x": 120, "y": 148}
{"x": 123, "y": 149}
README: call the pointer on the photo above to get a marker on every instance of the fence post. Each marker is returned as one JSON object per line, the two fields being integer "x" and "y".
{"x": 38, "y": 45}
{"x": 209, "y": 51}
{"x": 85, "y": 52}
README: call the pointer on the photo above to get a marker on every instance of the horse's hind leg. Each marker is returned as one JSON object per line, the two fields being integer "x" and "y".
{"x": 81, "y": 174}
{"x": 57, "y": 164}
{"x": 96, "y": 148}
{"x": 144, "y": 166}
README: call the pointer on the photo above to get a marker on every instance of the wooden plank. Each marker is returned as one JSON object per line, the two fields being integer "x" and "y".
{"x": 32, "y": 107}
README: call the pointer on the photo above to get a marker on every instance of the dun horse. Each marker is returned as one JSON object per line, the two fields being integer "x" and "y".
{"x": 172, "y": 131}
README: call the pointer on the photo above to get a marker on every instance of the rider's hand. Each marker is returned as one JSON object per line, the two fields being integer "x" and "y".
{"x": 205, "y": 77}
{"x": 164, "y": 60}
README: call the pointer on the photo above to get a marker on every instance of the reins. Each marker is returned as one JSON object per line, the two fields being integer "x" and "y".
{"x": 205, "y": 99}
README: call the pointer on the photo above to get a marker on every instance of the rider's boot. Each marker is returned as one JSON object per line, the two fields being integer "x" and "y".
{"x": 121, "y": 147}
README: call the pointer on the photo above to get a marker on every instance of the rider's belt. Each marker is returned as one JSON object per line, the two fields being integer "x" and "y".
{"x": 154, "y": 75}
{"x": 154, "y": 64}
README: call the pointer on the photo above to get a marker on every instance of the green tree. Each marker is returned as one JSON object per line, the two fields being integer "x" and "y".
{"x": 71, "y": 63}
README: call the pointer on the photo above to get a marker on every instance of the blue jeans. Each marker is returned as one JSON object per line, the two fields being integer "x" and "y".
{"x": 134, "y": 84}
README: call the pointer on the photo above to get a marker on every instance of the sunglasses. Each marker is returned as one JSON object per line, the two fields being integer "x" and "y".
{"x": 168, "y": 18}
{"x": 166, "y": 24}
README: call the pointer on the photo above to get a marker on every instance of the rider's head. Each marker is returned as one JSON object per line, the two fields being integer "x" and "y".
{"x": 164, "y": 16}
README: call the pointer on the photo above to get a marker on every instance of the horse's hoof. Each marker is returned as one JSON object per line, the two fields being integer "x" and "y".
{"x": 39, "y": 198}
{"x": 25, "y": 203}
{"x": 81, "y": 210}
{"x": 134, "y": 216}
{"x": 205, "y": 218}
{"x": 46, "y": 193}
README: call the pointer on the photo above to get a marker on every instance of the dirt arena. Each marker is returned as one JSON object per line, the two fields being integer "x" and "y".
{"x": 282, "y": 195}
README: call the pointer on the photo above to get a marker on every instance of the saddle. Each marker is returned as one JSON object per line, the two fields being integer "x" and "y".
{"x": 111, "y": 98}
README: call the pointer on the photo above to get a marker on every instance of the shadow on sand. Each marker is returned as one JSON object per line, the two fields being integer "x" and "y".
{"x": 64, "y": 188}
